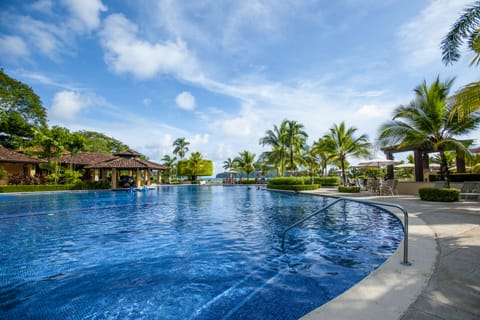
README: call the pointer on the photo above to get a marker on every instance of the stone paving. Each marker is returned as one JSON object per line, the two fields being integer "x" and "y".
{"x": 444, "y": 279}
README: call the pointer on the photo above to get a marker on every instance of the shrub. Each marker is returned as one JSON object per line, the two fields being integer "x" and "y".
{"x": 327, "y": 181}
{"x": 299, "y": 187}
{"x": 456, "y": 177}
{"x": 439, "y": 194}
{"x": 348, "y": 189}
{"x": 286, "y": 181}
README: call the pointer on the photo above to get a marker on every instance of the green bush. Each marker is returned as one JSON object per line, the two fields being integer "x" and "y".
{"x": 439, "y": 194}
{"x": 299, "y": 187}
{"x": 456, "y": 177}
{"x": 327, "y": 181}
{"x": 348, "y": 189}
{"x": 92, "y": 185}
{"x": 85, "y": 185}
{"x": 247, "y": 181}
{"x": 286, "y": 181}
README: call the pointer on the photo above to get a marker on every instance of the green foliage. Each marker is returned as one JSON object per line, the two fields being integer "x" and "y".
{"x": 20, "y": 112}
{"x": 3, "y": 173}
{"x": 327, "y": 181}
{"x": 98, "y": 142}
{"x": 457, "y": 177}
{"x": 476, "y": 168}
{"x": 55, "y": 187}
{"x": 286, "y": 181}
{"x": 184, "y": 169}
{"x": 71, "y": 177}
{"x": 439, "y": 194}
{"x": 300, "y": 187}
{"x": 348, "y": 189}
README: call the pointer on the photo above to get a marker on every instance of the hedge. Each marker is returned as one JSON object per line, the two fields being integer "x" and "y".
{"x": 439, "y": 194}
{"x": 55, "y": 187}
{"x": 456, "y": 177}
{"x": 299, "y": 187}
{"x": 327, "y": 181}
{"x": 349, "y": 189}
{"x": 286, "y": 181}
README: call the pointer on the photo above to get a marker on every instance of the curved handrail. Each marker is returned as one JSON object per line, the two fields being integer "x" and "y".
{"x": 372, "y": 203}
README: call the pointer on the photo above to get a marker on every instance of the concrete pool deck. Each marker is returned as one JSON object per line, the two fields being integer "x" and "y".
{"x": 443, "y": 281}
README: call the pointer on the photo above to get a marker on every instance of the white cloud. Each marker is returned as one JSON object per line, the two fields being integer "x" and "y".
{"x": 185, "y": 100}
{"x": 49, "y": 39}
{"x": 13, "y": 47}
{"x": 420, "y": 38}
{"x": 370, "y": 111}
{"x": 85, "y": 13}
{"x": 44, "y": 6}
{"x": 126, "y": 53}
{"x": 147, "y": 101}
{"x": 67, "y": 104}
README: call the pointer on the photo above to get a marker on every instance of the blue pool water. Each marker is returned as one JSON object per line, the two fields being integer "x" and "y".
{"x": 183, "y": 253}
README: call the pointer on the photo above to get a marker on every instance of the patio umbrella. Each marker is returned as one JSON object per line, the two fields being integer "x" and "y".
{"x": 376, "y": 163}
{"x": 405, "y": 165}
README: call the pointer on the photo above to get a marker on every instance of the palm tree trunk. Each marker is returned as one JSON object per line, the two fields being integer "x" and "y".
{"x": 444, "y": 174}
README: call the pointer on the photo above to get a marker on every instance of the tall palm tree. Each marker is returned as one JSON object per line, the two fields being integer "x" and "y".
{"x": 181, "y": 147}
{"x": 294, "y": 137}
{"x": 278, "y": 154}
{"x": 245, "y": 161}
{"x": 467, "y": 27}
{"x": 430, "y": 121}
{"x": 341, "y": 142}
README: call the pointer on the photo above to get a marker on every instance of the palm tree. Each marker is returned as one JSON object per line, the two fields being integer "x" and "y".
{"x": 341, "y": 142}
{"x": 195, "y": 164}
{"x": 245, "y": 161}
{"x": 429, "y": 121}
{"x": 467, "y": 27}
{"x": 294, "y": 137}
{"x": 228, "y": 164}
{"x": 324, "y": 157}
{"x": 169, "y": 161}
{"x": 75, "y": 143}
{"x": 278, "y": 154}
{"x": 181, "y": 147}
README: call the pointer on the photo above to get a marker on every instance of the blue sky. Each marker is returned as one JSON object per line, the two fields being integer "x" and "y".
{"x": 220, "y": 73}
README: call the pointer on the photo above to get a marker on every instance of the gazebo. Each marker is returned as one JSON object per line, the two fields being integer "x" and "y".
{"x": 129, "y": 160}
{"x": 18, "y": 163}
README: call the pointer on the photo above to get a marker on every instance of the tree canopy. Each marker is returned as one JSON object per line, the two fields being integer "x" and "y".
{"x": 21, "y": 111}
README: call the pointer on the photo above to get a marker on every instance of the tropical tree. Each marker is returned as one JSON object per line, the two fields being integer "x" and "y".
{"x": 341, "y": 142}
{"x": 278, "y": 153}
{"x": 322, "y": 154}
{"x": 169, "y": 161}
{"x": 293, "y": 137}
{"x": 74, "y": 143}
{"x": 245, "y": 161}
{"x": 195, "y": 164}
{"x": 228, "y": 164}
{"x": 181, "y": 147}
{"x": 21, "y": 111}
{"x": 99, "y": 142}
{"x": 467, "y": 27}
{"x": 431, "y": 122}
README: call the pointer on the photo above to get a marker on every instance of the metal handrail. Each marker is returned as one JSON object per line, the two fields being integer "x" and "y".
{"x": 372, "y": 203}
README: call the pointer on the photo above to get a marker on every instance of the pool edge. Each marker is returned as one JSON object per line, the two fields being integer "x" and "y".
{"x": 388, "y": 291}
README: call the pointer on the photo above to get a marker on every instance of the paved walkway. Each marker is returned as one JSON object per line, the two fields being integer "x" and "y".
{"x": 443, "y": 281}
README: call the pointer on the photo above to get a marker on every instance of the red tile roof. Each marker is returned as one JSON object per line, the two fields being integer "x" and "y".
{"x": 12, "y": 156}
{"x": 87, "y": 158}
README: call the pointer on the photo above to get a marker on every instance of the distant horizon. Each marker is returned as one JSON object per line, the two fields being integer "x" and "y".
{"x": 222, "y": 73}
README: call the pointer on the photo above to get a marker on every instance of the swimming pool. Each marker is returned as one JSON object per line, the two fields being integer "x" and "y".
{"x": 183, "y": 253}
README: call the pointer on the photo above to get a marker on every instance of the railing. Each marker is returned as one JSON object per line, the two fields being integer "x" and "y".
{"x": 372, "y": 203}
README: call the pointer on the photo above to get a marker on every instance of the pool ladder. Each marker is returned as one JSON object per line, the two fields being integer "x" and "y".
{"x": 372, "y": 203}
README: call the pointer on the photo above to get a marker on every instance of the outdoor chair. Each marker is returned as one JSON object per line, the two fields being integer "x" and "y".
{"x": 470, "y": 190}
{"x": 389, "y": 187}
